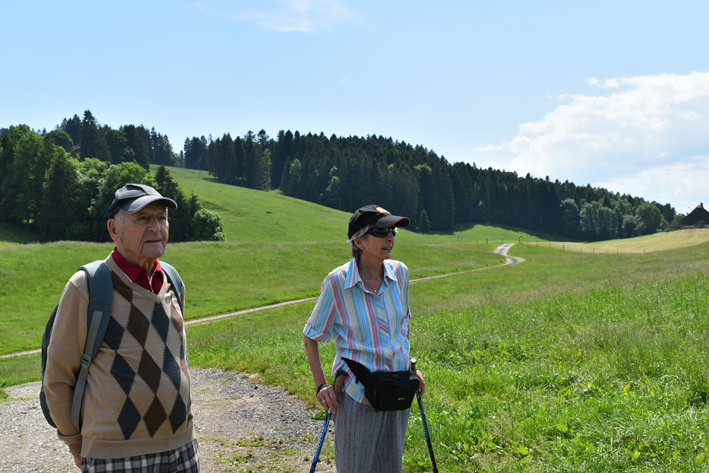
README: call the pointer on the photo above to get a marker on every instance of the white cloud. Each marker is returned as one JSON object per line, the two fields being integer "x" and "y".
{"x": 682, "y": 184}
{"x": 290, "y": 15}
{"x": 640, "y": 128}
{"x": 490, "y": 148}
{"x": 493, "y": 165}
{"x": 611, "y": 84}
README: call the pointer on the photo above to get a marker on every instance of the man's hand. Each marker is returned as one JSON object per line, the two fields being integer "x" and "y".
{"x": 77, "y": 459}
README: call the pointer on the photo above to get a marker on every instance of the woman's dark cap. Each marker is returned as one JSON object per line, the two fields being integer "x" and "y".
{"x": 133, "y": 197}
{"x": 375, "y": 216}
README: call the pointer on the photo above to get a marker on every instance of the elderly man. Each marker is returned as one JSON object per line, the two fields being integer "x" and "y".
{"x": 136, "y": 411}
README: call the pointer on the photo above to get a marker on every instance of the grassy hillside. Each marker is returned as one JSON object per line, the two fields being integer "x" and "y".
{"x": 220, "y": 277}
{"x": 250, "y": 215}
{"x": 656, "y": 242}
{"x": 574, "y": 362}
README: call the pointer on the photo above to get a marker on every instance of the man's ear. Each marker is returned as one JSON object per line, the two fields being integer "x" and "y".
{"x": 113, "y": 230}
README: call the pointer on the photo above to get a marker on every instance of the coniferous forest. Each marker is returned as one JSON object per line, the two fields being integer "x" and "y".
{"x": 338, "y": 172}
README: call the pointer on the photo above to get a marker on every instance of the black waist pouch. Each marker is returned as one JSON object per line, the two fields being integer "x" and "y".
{"x": 386, "y": 390}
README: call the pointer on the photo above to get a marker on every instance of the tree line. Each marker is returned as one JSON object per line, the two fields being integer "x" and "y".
{"x": 345, "y": 173}
{"x": 87, "y": 138}
{"x": 65, "y": 195}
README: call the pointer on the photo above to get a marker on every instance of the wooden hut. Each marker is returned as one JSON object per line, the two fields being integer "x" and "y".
{"x": 697, "y": 218}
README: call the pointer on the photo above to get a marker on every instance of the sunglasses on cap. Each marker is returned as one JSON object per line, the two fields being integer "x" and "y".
{"x": 382, "y": 232}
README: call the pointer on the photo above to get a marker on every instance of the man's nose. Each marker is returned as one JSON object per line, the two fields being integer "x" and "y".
{"x": 154, "y": 224}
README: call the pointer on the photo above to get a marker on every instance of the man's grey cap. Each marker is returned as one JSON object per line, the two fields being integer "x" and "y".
{"x": 133, "y": 197}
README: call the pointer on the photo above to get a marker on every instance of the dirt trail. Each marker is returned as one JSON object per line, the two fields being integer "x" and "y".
{"x": 240, "y": 425}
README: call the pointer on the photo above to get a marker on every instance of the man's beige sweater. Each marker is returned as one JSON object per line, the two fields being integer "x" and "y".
{"x": 137, "y": 399}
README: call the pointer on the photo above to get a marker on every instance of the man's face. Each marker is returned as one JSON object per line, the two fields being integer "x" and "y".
{"x": 142, "y": 236}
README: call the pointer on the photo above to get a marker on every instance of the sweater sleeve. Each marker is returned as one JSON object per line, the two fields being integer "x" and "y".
{"x": 64, "y": 353}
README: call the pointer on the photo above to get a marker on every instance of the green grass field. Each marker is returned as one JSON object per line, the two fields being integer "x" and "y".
{"x": 569, "y": 362}
{"x": 643, "y": 244}
{"x": 220, "y": 277}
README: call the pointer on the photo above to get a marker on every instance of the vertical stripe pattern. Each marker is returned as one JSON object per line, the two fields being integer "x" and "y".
{"x": 372, "y": 329}
{"x": 368, "y": 441}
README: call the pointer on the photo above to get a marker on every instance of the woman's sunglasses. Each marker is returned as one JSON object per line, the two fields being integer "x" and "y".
{"x": 382, "y": 232}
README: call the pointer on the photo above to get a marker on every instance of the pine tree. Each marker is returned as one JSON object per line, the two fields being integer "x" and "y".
{"x": 424, "y": 224}
{"x": 72, "y": 127}
{"x": 253, "y": 163}
{"x": 282, "y": 151}
{"x": 117, "y": 144}
{"x": 263, "y": 140}
{"x": 93, "y": 142}
{"x": 137, "y": 144}
{"x": 227, "y": 155}
{"x": 444, "y": 201}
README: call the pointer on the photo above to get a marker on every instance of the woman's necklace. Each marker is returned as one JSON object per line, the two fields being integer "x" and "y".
{"x": 372, "y": 287}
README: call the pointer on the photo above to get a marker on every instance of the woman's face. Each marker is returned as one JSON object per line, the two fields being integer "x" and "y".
{"x": 375, "y": 248}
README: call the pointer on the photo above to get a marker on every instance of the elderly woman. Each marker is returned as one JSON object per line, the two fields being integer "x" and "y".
{"x": 364, "y": 304}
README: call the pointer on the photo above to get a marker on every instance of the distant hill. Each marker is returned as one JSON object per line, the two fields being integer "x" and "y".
{"x": 340, "y": 173}
{"x": 343, "y": 172}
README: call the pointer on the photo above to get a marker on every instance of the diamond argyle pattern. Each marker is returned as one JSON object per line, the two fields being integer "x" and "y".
{"x": 149, "y": 366}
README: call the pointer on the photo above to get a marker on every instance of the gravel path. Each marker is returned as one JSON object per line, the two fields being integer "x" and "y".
{"x": 240, "y": 425}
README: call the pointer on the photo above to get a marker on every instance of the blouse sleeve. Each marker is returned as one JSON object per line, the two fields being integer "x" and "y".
{"x": 320, "y": 324}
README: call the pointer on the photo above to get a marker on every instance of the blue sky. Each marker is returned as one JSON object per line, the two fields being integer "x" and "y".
{"x": 612, "y": 94}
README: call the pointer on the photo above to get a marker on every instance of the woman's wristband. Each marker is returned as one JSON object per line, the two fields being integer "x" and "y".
{"x": 319, "y": 388}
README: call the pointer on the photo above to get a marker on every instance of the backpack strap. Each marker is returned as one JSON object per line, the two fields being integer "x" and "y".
{"x": 176, "y": 282}
{"x": 100, "y": 302}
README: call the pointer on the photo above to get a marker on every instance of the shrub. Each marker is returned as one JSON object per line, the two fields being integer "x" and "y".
{"x": 207, "y": 226}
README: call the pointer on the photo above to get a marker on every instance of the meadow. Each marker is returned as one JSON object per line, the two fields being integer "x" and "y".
{"x": 568, "y": 362}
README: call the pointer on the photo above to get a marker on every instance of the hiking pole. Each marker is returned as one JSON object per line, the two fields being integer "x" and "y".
{"x": 339, "y": 379}
{"x": 322, "y": 439}
{"x": 425, "y": 424}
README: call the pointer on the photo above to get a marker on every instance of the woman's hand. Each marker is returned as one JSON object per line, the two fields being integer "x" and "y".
{"x": 327, "y": 397}
{"x": 422, "y": 383}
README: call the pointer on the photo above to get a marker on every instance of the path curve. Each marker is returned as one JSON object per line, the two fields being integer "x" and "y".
{"x": 500, "y": 250}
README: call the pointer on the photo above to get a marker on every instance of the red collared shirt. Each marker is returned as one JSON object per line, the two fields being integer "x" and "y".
{"x": 138, "y": 275}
